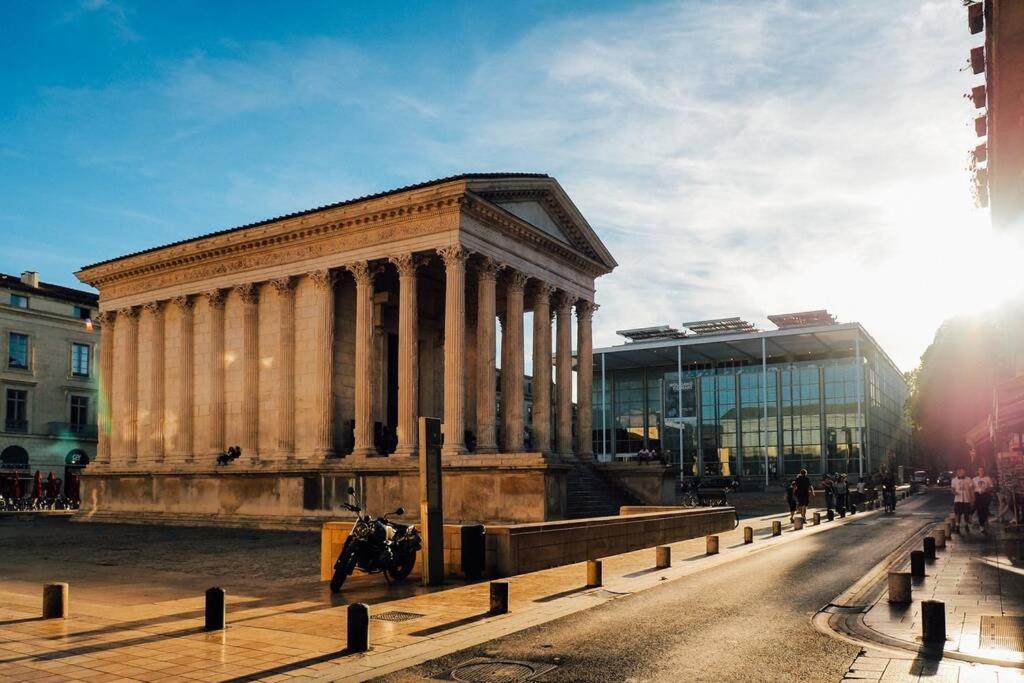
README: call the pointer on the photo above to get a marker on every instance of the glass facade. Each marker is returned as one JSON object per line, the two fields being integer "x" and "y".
{"x": 740, "y": 418}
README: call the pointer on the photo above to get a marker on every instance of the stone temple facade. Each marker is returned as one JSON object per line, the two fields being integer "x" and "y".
{"x": 315, "y": 341}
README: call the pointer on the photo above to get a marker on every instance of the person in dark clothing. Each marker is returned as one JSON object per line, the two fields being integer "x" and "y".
{"x": 803, "y": 489}
{"x": 889, "y": 491}
{"x": 791, "y": 498}
{"x": 828, "y": 486}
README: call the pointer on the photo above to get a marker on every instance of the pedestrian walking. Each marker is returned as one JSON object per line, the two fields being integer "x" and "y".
{"x": 804, "y": 490}
{"x": 842, "y": 492}
{"x": 791, "y": 498}
{"x": 983, "y": 487}
{"x": 963, "y": 499}
{"x": 889, "y": 491}
{"x": 829, "y": 489}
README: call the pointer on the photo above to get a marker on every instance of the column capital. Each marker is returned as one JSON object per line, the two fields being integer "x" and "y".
{"x": 325, "y": 278}
{"x": 106, "y": 317}
{"x": 154, "y": 307}
{"x": 184, "y": 302}
{"x": 515, "y": 281}
{"x": 585, "y": 309}
{"x": 130, "y": 312}
{"x": 215, "y": 297}
{"x": 249, "y": 292}
{"x": 486, "y": 268}
{"x": 453, "y": 255}
{"x": 562, "y": 301}
{"x": 541, "y": 291}
{"x": 363, "y": 271}
{"x": 408, "y": 264}
{"x": 283, "y": 285}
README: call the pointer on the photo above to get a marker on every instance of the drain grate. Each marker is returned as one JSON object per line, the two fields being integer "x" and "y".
{"x": 843, "y": 609}
{"x": 1002, "y": 633}
{"x": 498, "y": 671}
{"x": 396, "y": 616}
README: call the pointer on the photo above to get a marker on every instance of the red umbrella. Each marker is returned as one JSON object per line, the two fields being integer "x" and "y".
{"x": 51, "y": 485}
{"x": 38, "y": 484}
{"x": 17, "y": 486}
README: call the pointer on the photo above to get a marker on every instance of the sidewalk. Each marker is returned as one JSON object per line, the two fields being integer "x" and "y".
{"x": 274, "y": 638}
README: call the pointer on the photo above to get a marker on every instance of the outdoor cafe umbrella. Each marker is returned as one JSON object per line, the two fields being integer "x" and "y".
{"x": 38, "y": 484}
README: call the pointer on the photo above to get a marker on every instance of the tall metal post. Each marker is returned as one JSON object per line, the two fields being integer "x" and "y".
{"x": 764, "y": 400}
{"x": 431, "y": 512}
{"x": 604, "y": 412}
{"x": 860, "y": 427}
{"x": 679, "y": 404}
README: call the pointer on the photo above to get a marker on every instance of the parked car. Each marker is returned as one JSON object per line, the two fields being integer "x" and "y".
{"x": 944, "y": 478}
{"x": 921, "y": 478}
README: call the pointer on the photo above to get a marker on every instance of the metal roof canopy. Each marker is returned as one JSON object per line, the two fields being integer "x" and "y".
{"x": 651, "y": 333}
{"x": 802, "y": 319}
{"x": 838, "y": 339}
{"x": 720, "y": 326}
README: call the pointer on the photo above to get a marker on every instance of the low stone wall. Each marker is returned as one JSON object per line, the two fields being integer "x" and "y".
{"x": 652, "y": 483}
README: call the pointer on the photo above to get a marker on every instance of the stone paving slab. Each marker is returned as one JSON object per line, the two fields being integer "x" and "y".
{"x": 304, "y": 638}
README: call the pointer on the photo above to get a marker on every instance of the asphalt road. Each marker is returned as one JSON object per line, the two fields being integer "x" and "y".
{"x": 748, "y": 620}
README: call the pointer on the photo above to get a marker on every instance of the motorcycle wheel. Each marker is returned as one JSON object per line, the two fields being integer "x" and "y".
{"x": 402, "y": 566}
{"x": 346, "y": 563}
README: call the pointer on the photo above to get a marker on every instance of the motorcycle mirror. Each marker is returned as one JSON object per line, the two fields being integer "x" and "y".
{"x": 400, "y": 511}
{"x": 351, "y": 490}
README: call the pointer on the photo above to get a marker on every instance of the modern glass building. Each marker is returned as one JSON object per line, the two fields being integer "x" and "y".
{"x": 722, "y": 398}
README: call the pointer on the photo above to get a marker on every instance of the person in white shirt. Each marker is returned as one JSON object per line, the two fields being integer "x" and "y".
{"x": 983, "y": 488}
{"x": 963, "y": 499}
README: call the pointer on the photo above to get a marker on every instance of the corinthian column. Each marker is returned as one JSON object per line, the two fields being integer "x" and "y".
{"x": 250, "y": 295}
{"x": 454, "y": 257}
{"x": 323, "y": 363}
{"x": 285, "y": 385}
{"x": 563, "y": 373}
{"x": 183, "y": 441}
{"x": 130, "y": 361}
{"x": 106, "y": 320}
{"x": 487, "y": 273}
{"x": 512, "y": 340}
{"x": 408, "y": 346}
{"x": 156, "y": 381}
{"x": 215, "y": 435}
{"x": 364, "y": 274}
{"x": 542, "y": 367}
{"x": 584, "y": 378}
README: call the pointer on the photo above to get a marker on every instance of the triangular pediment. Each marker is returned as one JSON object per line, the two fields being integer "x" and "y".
{"x": 534, "y": 213}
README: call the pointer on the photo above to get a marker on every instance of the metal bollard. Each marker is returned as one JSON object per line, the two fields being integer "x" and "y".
{"x": 940, "y": 538}
{"x": 899, "y": 588}
{"x": 55, "y": 601}
{"x": 499, "y": 597}
{"x": 816, "y": 520}
{"x": 748, "y": 534}
{"x": 663, "y": 557}
{"x": 358, "y": 636}
{"x": 929, "y": 548}
{"x": 842, "y": 512}
{"x": 712, "y": 545}
{"x": 798, "y": 523}
{"x": 917, "y": 564}
{"x": 831, "y": 514}
{"x": 593, "y": 573}
{"x": 216, "y": 609}
{"x": 776, "y": 528}
{"x": 933, "y": 621}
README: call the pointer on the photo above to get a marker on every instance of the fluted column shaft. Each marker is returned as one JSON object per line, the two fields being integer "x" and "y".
{"x": 563, "y": 374}
{"x": 364, "y": 274}
{"x": 156, "y": 381}
{"x": 408, "y": 354}
{"x": 250, "y": 295}
{"x": 183, "y": 445}
{"x": 512, "y": 339}
{"x": 130, "y": 363}
{"x": 486, "y": 436}
{"x": 215, "y": 433}
{"x": 106, "y": 320}
{"x": 454, "y": 349}
{"x": 542, "y": 367}
{"x": 323, "y": 363}
{"x": 285, "y": 385}
{"x": 584, "y": 378}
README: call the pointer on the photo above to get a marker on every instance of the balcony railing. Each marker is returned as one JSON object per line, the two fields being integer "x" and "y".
{"x": 68, "y": 430}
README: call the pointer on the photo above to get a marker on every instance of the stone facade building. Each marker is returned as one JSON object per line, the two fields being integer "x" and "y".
{"x": 314, "y": 341}
{"x": 48, "y": 380}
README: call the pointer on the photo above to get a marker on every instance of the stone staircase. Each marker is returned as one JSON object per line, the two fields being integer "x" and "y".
{"x": 591, "y": 494}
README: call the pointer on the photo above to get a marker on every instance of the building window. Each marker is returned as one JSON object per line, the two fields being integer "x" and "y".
{"x": 83, "y": 313}
{"x": 80, "y": 360}
{"x": 17, "y": 411}
{"x": 17, "y": 351}
{"x": 19, "y": 300}
{"x": 79, "y": 417}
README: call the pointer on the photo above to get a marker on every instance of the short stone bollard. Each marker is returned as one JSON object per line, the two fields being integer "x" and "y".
{"x": 499, "y": 597}
{"x": 899, "y": 588}
{"x": 776, "y": 528}
{"x": 216, "y": 609}
{"x": 593, "y": 573}
{"x": 940, "y": 538}
{"x": 663, "y": 557}
{"x": 55, "y": 601}
{"x": 917, "y": 564}
{"x": 748, "y": 534}
{"x": 842, "y": 513}
{"x": 358, "y": 635}
{"x": 816, "y": 520}
{"x": 933, "y": 621}
{"x": 831, "y": 514}
{"x": 929, "y": 548}
{"x": 798, "y": 523}
{"x": 712, "y": 545}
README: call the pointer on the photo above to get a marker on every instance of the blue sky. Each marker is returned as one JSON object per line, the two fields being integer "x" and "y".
{"x": 739, "y": 157}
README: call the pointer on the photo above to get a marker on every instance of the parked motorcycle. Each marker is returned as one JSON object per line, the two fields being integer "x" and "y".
{"x": 376, "y": 545}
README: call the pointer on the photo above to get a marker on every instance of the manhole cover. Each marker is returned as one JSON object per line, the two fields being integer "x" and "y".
{"x": 1002, "y": 633}
{"x": 396, "y": 616}
{"x": 498, "y": 671}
